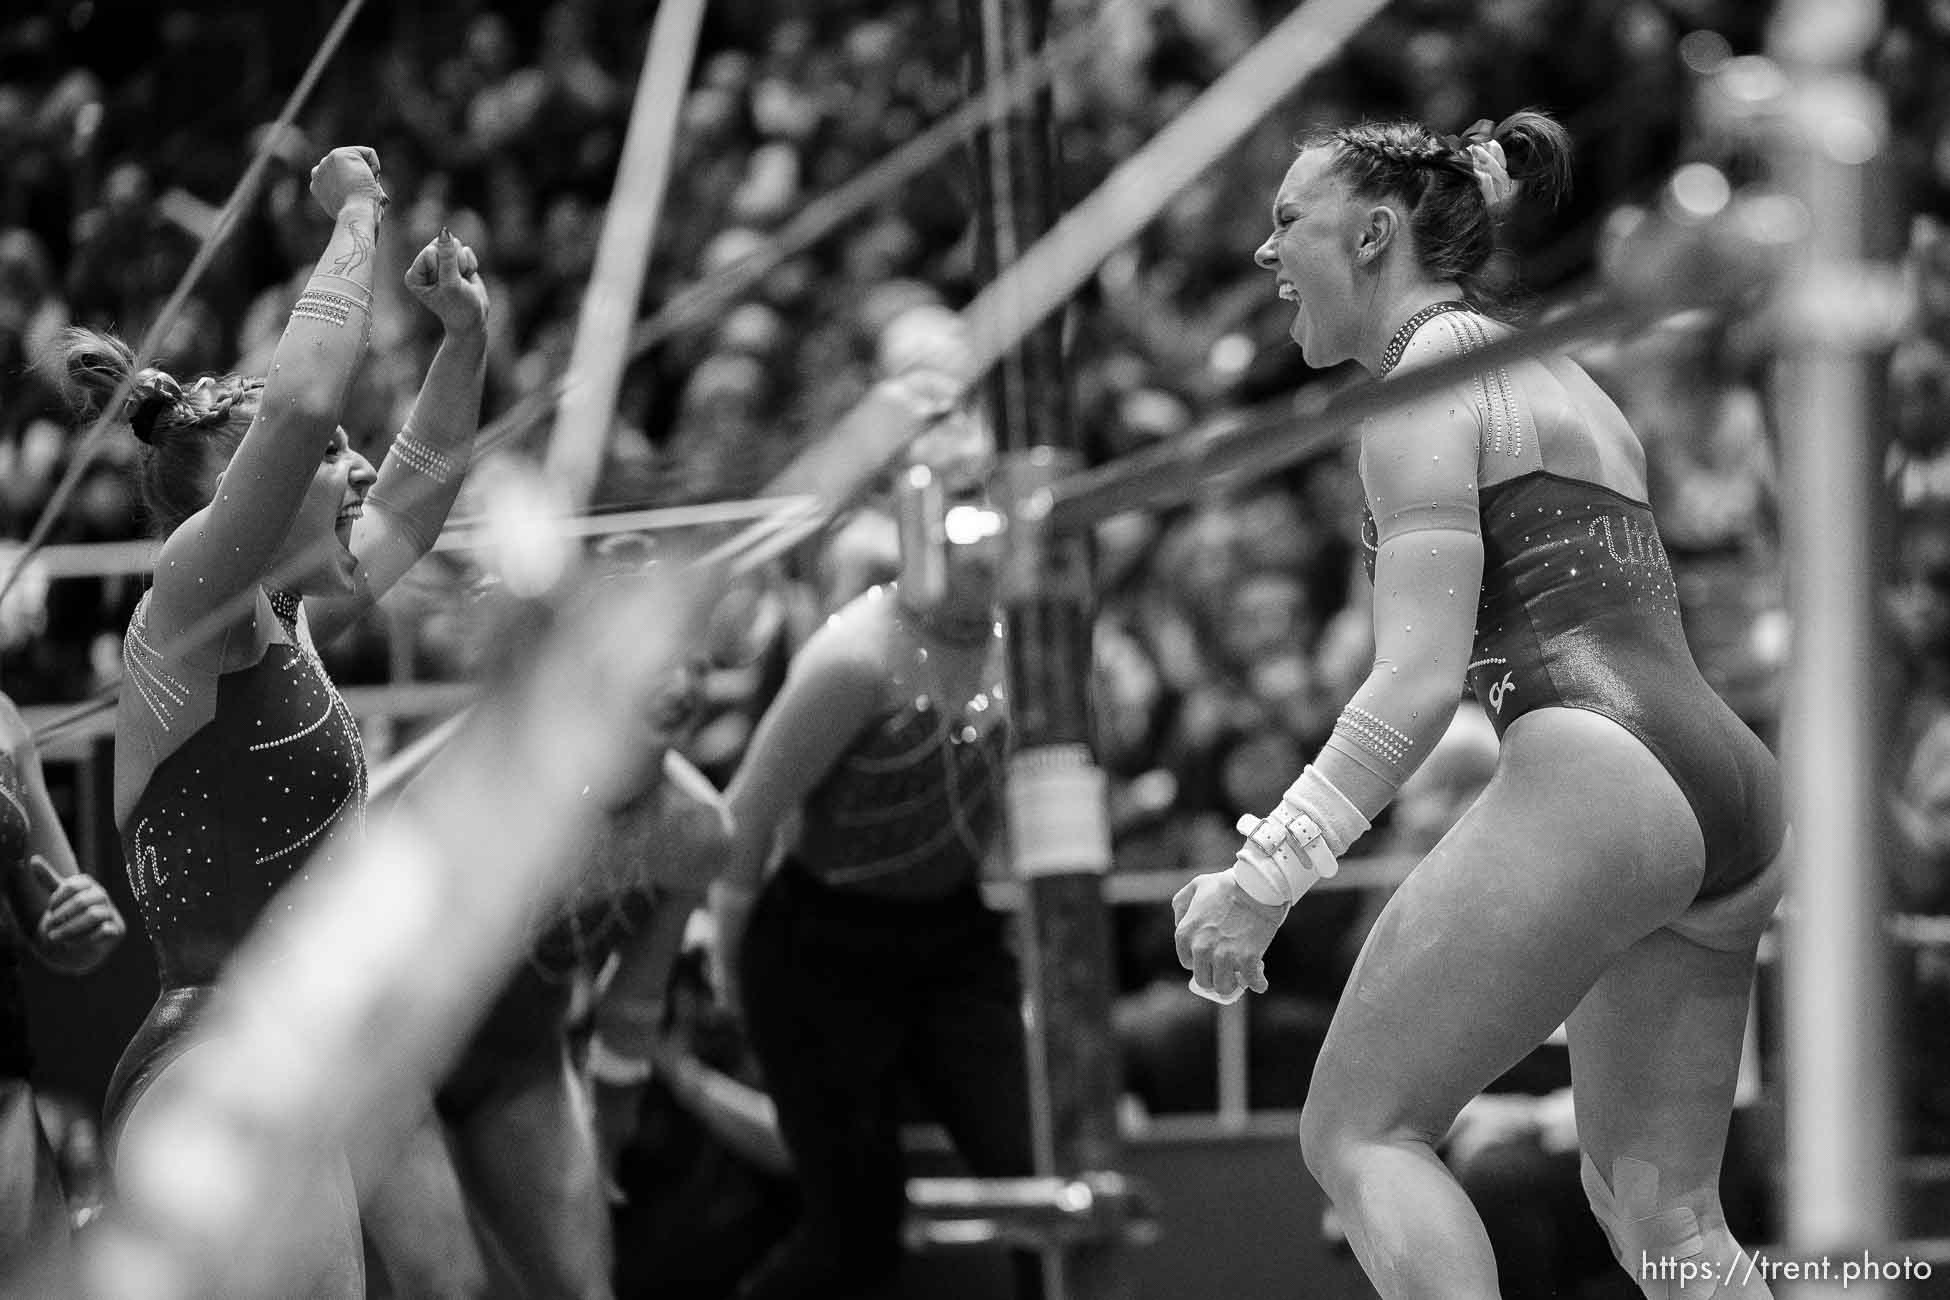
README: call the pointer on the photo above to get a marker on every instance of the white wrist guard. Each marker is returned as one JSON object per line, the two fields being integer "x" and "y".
{"x": 1315, "y": 796}
{"x": 1282, "y": 857}
{"x": 1299, "y": 843}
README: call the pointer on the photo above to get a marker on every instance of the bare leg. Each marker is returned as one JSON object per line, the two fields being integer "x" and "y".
{"x": 1581, "y": 845}
{"x": 319, "y": 1253}
{"x": 1655, "y": 1048}
{"x": 417, "y": 1225}
{"x": 33, "y": 1213}
{"x": 528, "y": 1157}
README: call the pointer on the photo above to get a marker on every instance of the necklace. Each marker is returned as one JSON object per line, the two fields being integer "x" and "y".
{"x": 1397, "y": 345}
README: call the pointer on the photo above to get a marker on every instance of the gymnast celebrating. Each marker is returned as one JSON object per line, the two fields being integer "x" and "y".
{"x": 234, "y": 755}
{"x": 1622, "y": 863}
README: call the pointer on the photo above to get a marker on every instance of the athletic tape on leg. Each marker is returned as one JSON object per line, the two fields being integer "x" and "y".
{"x": 1643, "y": 1237}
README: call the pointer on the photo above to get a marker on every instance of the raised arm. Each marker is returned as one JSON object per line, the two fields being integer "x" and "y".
{"x": 225, "y": 548}
{"x": 421, "y": 475}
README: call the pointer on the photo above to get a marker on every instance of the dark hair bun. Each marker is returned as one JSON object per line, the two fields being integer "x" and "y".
{"x": 155, "y": 393}
{"x": 95, "y": 365}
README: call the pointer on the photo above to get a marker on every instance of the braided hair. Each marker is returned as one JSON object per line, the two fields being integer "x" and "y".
{"x": 1452, "y": 221}
{"x": 188, "y": 434}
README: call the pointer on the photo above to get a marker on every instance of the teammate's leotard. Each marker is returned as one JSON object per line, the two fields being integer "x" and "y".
{"x": 225, "y": 822}
{"x": 908, "y": 810}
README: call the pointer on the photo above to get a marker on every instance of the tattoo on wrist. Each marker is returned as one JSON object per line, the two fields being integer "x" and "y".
{"x": 359, "y": 254}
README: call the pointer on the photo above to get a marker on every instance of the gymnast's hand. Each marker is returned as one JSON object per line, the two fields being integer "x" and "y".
{"x": 1222, "y": 935}
{"x": 446, "y": 278}
{"x": 79, "y": 927}
{"x": 347, "y": 173}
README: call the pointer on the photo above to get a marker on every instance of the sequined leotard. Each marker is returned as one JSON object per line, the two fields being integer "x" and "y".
{"x": 909, "y": 809}
{"x": 224, "y": 823}
{"x": 1579, "y": 609}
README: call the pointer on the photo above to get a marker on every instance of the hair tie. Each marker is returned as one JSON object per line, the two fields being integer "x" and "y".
{"x": 1487, "y": 164}
{"x": 1481, "y": 131}
{"x": 154, "y": 391}
{"x": 1476, "y": 147}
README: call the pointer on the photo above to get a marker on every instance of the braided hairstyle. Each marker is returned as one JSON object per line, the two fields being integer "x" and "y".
{"x": 1451, "y": 220}
{"x": 188, "y": 434}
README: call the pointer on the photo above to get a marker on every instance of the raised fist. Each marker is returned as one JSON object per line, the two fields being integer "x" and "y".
{"x": 446, "y": 278}
{"x": 348, "y": 172}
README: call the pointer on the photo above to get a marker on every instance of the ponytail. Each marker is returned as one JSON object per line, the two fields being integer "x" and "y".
{"x": 188, "y": 434}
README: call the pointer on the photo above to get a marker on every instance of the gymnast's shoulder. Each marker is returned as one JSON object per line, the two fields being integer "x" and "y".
{"x": 1448, "y": 336}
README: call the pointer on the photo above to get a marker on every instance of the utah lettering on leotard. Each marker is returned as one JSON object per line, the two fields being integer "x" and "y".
{"x": 1629, "y": 540}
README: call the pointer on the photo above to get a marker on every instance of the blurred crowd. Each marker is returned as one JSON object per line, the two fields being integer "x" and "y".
{"x": 1228, "y": 631}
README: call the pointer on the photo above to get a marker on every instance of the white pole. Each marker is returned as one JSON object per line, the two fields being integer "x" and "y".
{"x": 602, "y": 342}
{"x": 1838, "y": 1088}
